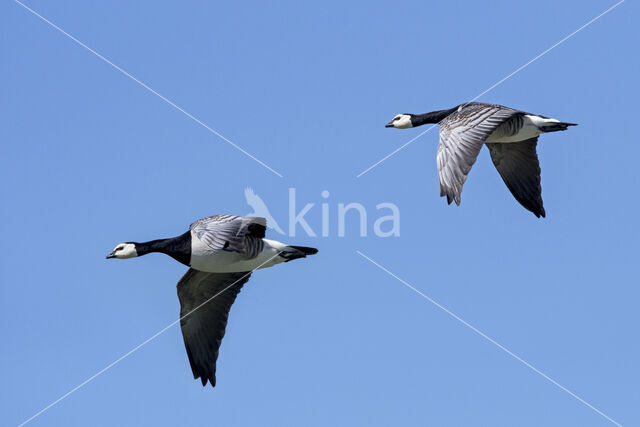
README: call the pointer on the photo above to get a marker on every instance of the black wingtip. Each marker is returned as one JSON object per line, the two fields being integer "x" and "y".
{"x": 539, "y": 213}
{"x": 204, "y": 381}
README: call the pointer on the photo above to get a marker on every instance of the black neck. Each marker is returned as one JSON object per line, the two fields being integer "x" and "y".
{"x": 432, "y": 117}
{"x": 178, "y": 248}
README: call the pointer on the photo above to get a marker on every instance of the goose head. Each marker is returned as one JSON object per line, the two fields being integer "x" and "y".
{"x": 401, "y": 121}
{"x": 124, "y": 251}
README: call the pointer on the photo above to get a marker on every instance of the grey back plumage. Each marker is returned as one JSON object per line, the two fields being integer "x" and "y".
{"x": 205, "y": 301}
{"x": 233, "y": 233}
{"x": 462, "y": 135}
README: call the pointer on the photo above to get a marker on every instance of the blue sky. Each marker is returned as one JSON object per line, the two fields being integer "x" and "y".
{"x": 90, "y": 159}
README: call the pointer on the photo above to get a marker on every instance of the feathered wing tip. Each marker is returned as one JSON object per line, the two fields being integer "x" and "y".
{"x": 204, "y": 377}
{"x": 450, "y": 197}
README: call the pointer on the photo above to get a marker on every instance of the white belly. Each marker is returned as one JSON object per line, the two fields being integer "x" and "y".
{"x": 530, "y": 129}
{"x": 203, "y": 258}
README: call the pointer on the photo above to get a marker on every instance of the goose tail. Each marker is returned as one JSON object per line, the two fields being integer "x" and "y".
{"x": 556, "y": 127}
{"x": 294, "y": 252}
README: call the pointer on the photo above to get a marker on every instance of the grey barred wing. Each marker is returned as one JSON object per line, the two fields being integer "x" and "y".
{"x": 232, "y": 233}
{"x": 462, "y": 135}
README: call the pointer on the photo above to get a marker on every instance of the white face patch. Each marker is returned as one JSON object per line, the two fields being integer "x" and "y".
{"x": 124, "y": 251}
{"x": 402, "y": 121}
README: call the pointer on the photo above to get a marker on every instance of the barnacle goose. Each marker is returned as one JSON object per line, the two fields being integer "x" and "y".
{"x": 511, "y": 136}
{"x": 221, "y": 251}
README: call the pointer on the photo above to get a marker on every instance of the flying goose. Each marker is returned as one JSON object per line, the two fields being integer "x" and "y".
{"x": 511, "y": 136}
{"x": 221, "y": 252}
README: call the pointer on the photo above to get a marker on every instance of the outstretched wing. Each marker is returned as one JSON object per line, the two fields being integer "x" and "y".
{"x": 232, "y": 233}
{"x": 462, "y": 135}
{"x": 517, "y": 163}
{"x": 205, "y": 301}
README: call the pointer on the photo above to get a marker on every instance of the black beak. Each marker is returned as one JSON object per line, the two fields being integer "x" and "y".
{"x": 389, "y": 125}
{"x": 111, "y": 255}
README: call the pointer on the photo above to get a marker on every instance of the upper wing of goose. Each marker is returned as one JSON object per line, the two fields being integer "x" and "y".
{"x": 205, "y": 301}
{"x": 461, "y": 137}
{"x": 235, "y": 233}
{"x": 517, "y": 163}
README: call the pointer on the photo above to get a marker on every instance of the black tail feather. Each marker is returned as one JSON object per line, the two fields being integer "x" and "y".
{"x": 305, "y": 250}
{"x": 297, "y": 252}
{"x": 555, "y": 127}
